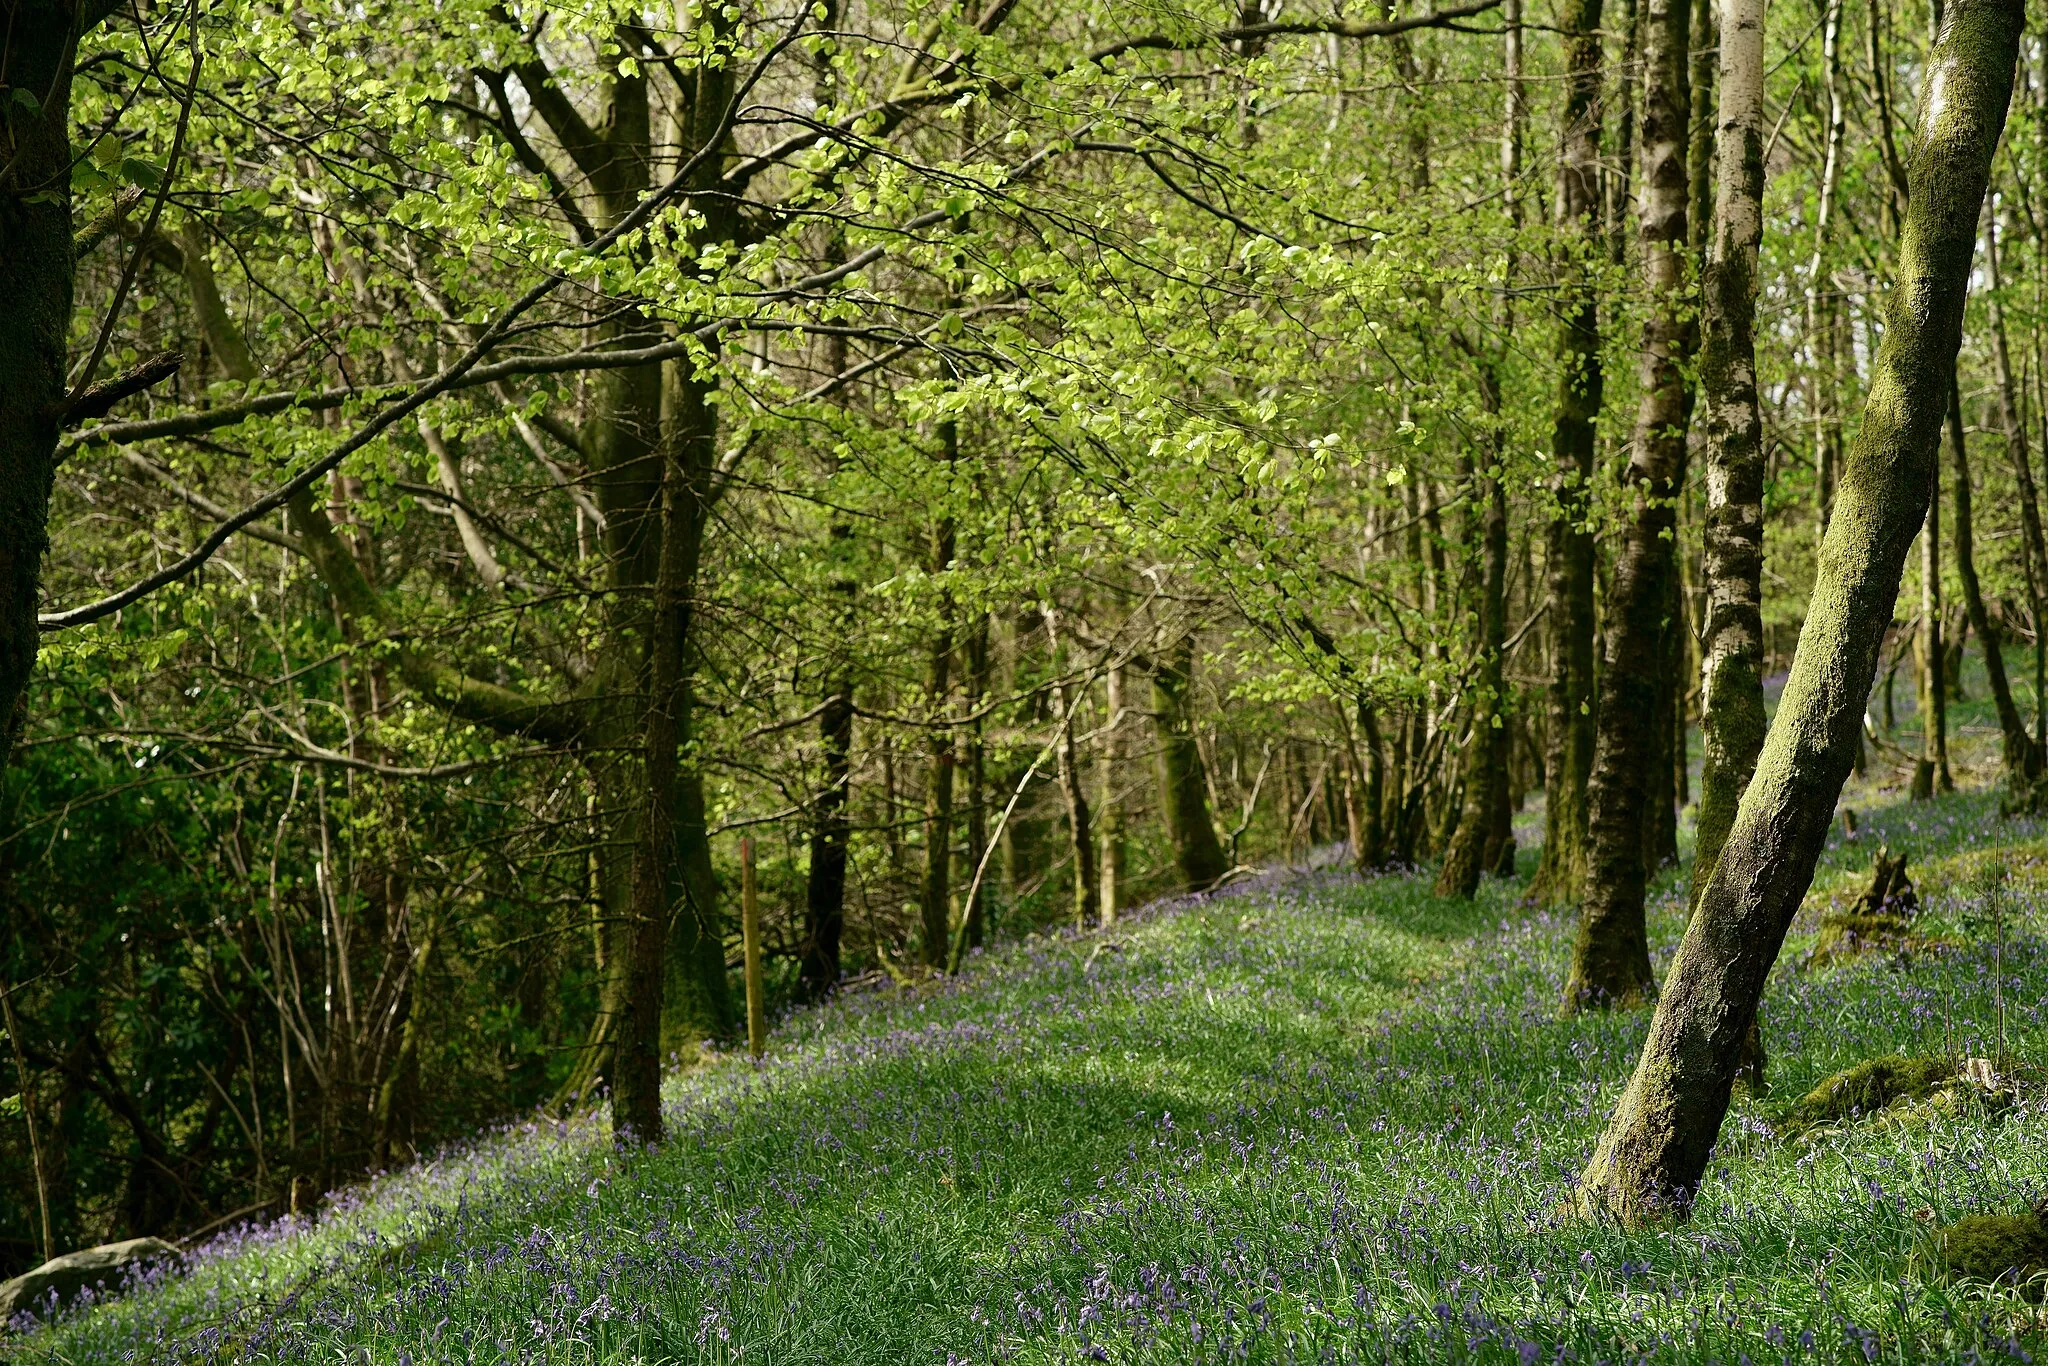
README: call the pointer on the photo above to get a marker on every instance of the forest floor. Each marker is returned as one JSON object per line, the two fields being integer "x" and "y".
{"x": 1309, "y": 1119}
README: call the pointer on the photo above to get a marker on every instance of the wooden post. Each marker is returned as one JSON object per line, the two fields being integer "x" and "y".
{"x": 750, "y": 929}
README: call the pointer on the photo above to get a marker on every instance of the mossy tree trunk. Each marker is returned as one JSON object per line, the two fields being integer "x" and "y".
{"x": 1654, "y": 1152}
{"x": 935, "y": 887}
{"x": 1183, "y": 783}
{"x": 1474, "y": 847}
{"x": 649, "y": 443}
{"x": 1610, "y": 956}
{"x": 818, "y": 969}
{"x": 1109, "y": 813}
{"x": 1569, "y": 543}
{"x": 1731, "y": 674}
{"x": 35, "y": 319}
{"x": 1822, "y": 308}
{"x": 974, "y": 913}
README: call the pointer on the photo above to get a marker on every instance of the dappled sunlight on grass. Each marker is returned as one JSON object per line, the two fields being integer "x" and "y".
{"x": 1307, "y": 1119}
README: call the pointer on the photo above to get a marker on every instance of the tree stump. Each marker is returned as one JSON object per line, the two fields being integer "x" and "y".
{"x": 1880, "y": 916}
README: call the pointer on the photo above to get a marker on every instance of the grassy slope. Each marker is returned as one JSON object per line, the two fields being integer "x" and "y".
{"x": 1314, "y": 1119}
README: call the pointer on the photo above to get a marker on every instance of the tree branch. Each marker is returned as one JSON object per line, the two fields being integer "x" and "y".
{"x": 101, "y": 397}
{"x": 447, "y": 379}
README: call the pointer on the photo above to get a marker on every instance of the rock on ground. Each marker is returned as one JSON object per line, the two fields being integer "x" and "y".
{"x": 103, "y": 1267}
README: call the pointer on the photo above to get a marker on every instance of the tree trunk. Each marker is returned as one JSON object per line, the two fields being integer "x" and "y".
{"x": 35, "y": 327}
{"x": 825, "y": 886}
{"x": 1931, "y": 773}
{"x": 1475, "y": 847}
{"x": 1610, "y": 957}
{"x": 1183, "y": 784}
{"x": 1822, "y": 310}
{"x": 1109, "y": 815}
{"x": 1655, "y": 1150}
{"x": 819, "y": 970}
{"x": 2035, "y": 558}
{"x": 1628, "y": 77}
{"x": 2022, "y": 758}
{"x": 1702, "y": 143}
{"x": 972, "y": 914}
{"x": 1485, "y": 829}
{"x": 396, "y": 1091}
{"x": 1569, "y": 545}
{"x": 1660, "y": 771}
{"x": 1955, "y": 643}
{"x": 935, "y": 903}
{"x": 1371, "y": 852}
{"x": 636, "y": 1069}
{"x": 1081, "y": 839}
{"x": 1731, "y": 675}
{"x": 699, "y": 998}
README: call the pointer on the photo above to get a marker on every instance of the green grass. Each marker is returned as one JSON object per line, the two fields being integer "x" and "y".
{"x": 1314, "y": 1120}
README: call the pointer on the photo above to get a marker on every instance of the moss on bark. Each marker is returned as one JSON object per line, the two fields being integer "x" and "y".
{"x": 1865, "y": 1089}
{"x": 2010, "y": 1248}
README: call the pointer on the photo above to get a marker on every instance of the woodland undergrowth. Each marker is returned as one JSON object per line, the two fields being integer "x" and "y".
{"x": 1310, "y": 1118}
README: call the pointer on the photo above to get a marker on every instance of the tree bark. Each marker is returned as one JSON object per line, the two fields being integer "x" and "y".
{"x": 2036, "y": 556}
{"x": 1655, "y": 1150}
{"x": 825, "y": 885}
{"x": 35, "y": 325}
{"x": 1703, "y": 140}
{"x": 825, "y": 882}
{"x": 1731, "y": 675}
{"x": 1485, "y": 827}
{"x": 2022, "y": 758}
{"x": 1821, "y": 307}
{"x": 973, "y": 914}
{"x": 1569, "y": 542}
{"x": 1109, "y": 814}
{"x": 935, "y": 904}
{"x": 1610, "y": 957}
{"x": 1475, "y": 847}
{"x": 1080, "y": 833}
{"x": 1371, "y": 852}
{"x": 1931, "y": 773}
{"x": 1182, "y": 781}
